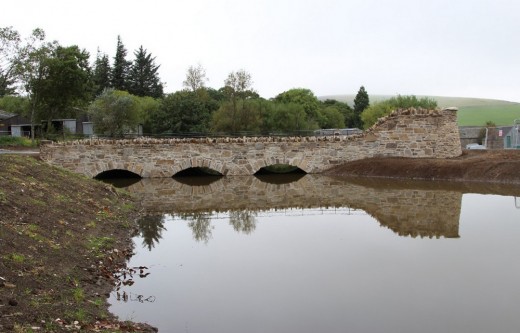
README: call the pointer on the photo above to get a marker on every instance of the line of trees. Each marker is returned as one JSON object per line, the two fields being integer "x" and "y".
{"x": 44, "y": 80}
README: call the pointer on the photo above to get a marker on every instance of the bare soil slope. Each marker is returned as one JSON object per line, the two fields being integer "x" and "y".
{"x": 64, "y": 240}
{"x": 498, "y": 166}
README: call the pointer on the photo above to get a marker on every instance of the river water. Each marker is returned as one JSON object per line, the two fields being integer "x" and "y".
{"x": 319, "y": 254}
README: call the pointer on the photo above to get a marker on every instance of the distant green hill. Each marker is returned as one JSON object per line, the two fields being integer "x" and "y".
{"x": 472, "y": 111}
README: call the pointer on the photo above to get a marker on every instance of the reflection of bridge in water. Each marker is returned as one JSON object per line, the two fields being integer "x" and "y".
{"x": 411, "y": 209}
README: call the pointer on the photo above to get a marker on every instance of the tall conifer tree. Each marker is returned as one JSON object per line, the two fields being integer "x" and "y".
{"x": 143, "y": 78}
{"x": 361, "y": 102}
{"x": 102, "y": 73}
{"x": 121, "y": 67}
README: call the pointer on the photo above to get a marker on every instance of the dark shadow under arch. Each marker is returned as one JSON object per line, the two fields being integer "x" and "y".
{"x": 118, "y": 177}
{"x": 280, "y": 178}
{"x": 280, "y": 169}
{"x": 197, "y": 176}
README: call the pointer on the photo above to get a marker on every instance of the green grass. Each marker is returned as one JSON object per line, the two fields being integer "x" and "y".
{"x": 442, "y": 101}
{"x": 78, "y": 294}
{"x": 472, "y": 111}
{"x": 16, "y": 141}
{"x": 15, "y": 257}
{"x": 501, "y": 115}
{"x": 98, "y": 244}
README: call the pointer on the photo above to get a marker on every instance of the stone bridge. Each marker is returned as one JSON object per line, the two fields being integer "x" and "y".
{"x": 411, "y": 133}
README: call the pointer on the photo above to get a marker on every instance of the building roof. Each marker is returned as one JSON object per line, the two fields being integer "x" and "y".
{"x": 6, "y": 115}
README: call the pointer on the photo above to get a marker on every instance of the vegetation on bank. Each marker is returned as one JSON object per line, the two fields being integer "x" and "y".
{"x": 10, "y": 141}
{"x": 472, "y": 111}
{"x": 373, "y": 112}
{"x": 65, "y": 238}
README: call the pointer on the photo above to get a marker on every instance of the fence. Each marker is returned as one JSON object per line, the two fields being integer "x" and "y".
{"x": 504, "y": 137}
{"x": 500, "y": 137}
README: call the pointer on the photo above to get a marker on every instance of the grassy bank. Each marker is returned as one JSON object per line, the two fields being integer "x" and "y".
{"x": 501, "y": 115}
{"x": 65, "y": 239}
{"x": 10, "y": 141}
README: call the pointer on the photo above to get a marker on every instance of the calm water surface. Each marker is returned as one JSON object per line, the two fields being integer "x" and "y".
{"x": 318, "y": 254}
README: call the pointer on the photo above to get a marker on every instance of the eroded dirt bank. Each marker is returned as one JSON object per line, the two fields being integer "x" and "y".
{"x": 495, "y": 166}
{"x": 64, "y": 239}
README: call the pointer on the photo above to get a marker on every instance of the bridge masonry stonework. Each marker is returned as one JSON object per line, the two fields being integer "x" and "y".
{"x": 414, "y": 133}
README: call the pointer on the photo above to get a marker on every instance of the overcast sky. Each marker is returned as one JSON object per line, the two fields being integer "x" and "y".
{"x": 466, "y": 48}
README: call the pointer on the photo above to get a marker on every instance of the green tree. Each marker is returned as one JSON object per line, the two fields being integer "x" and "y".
{"x": 121, "y": 67}
{"x": 289, "y": 117}
{"x": 238, "y": 87}
{"x": 331, "y": 117}
{"x": 349, "y": 117}
{"x": 381, "y": 109}
{"x": 10, "y": 46}
{"x": 143, "y": 78}
{"x": 303, "y": 97}
{"x": 102, "y": 73}
{"x": 375, "y": 111}
{"x": 361, "y": 102}
{"x": 31, "y": 71}
{"x": 66, "y": 83}
{"x": 248, "y": 117}
{"x": 148, "y": 106}
{"x": 216, "y": 95}
{"x": 15, "y": 104}
{"x": 183, "y": 112}
{"x": 114, "y": 113}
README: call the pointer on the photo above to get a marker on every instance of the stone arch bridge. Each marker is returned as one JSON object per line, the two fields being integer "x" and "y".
{"x": 413, "y": 133}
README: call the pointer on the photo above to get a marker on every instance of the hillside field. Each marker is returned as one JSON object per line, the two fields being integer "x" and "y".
{"x": 472, "y": 111}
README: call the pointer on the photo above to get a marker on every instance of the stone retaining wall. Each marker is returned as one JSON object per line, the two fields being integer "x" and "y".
{"x": 410, "y": 133}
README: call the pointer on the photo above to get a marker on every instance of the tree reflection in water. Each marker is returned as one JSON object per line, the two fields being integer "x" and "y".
{"x": 200, "y": 224}
{"x": 151, "y": 228}
{"x": 243, "y": 221}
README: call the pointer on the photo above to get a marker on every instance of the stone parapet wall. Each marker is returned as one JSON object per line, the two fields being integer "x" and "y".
{"x": 411, "y": 133}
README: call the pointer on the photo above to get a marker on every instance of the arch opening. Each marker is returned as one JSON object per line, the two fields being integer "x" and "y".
{"x": 197, "y": 176}
{"x": 118, "y": 177}
{"x": 280, "y": 169}
{"x": 198, "y": 172}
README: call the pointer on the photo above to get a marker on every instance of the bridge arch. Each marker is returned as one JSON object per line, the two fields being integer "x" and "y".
{"x": 272, "y": 161}
{"x": 96, "y": 169}
{"x": 198, "y": 171}
{"x": 202, "y": 163}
